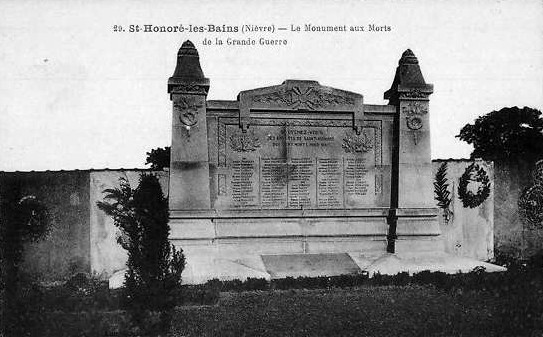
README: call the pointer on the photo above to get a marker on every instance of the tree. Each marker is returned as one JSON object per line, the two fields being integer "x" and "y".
{"x": 509, "y": 133}
{"x": 159, "y": 158}
{"x": 513, "y": 139}
{"x": 154, "y": 265}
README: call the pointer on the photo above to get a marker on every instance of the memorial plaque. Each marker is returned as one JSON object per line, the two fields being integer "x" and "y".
{"x": 244, "y": 183}
{"x": 297, "y": 164}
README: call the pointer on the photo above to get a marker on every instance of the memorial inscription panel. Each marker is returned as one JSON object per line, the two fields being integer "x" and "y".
{"x": 298, "y": 164}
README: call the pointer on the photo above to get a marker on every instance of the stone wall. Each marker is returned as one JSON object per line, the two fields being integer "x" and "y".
{"x": 66, "y": 249}
{"x": 513, "y": 237}
{"x": 469, "y": 231}
{"x": 83, "y": 238}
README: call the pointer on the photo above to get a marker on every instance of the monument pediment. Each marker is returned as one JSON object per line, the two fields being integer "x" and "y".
{"x": 300, "y": 96}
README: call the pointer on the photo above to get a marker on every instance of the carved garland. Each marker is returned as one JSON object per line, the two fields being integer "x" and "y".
{"x": 474, "y": 174}
{"x": 414, "y": 93}
{"x": 308, "y": 98}
{"x": 190, "y": 89}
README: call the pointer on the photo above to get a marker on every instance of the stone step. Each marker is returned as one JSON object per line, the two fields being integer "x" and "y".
{"x": 310, "y": 265}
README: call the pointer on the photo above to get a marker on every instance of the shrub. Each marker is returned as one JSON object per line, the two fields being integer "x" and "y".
{"x": 81, "y": 293}
{"x": 438, "y": 279}
{"x": 199, "y": 295}
{"x": 154, "y": 265}
{"x": 256, "y": 284}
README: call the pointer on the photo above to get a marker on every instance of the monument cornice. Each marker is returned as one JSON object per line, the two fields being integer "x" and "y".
{"x": 415, "y": 92}
{"x": 279, "y": 213}
{"x": 188, "y": 86}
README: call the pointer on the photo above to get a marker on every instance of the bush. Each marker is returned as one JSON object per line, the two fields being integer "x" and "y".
{"x": 198, "y": 295}
{"x": 256, "y": 284}
{"x": 81, "y": 293}
{"x": 438, "y": 279}
{"x": 154, "y": 265}
{"x": 25, "y": 313}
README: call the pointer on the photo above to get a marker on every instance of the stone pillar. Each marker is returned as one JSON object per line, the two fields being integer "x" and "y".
{"x": 189, "y": 166}
{"x": 409, "y": 93}
{"x": 412, "y": 198}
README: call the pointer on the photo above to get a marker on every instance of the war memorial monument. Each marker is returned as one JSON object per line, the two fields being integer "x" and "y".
{"x": 303, "y": 179}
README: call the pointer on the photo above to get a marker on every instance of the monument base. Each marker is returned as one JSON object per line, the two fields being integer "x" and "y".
{"x": 229, "y": 248}
{"x": 201, "y": 269}
{"x": 331, "y": 264}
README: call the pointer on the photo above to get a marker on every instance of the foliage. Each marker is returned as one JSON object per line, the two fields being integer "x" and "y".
{"x": 24, "y": 310}
{"x": 159, "y": 158}
{"x": 154, "y": 265}
{"x": 201, "y": 294}
{"x": 441, "y": 187}
{"x": 81, "y": 293}
{"x": 506, "y": 134}
{"x": 441, "y": 190}
{"x": 473, "y": 173}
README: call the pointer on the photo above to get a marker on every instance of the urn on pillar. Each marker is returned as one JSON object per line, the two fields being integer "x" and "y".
{"x": 189, "y": 166}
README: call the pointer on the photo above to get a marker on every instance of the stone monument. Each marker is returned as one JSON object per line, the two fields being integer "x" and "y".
{"x": 299, "y": 178}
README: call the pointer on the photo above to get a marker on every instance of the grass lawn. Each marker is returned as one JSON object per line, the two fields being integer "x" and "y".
{"x": 411, "y": 310}
{"x": 426, "y": 304}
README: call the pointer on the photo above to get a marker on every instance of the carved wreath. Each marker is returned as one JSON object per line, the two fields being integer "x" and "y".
{"x": 414, "y": 123}
{"x": 413, "y": 112}
{"x": 188, "y": 111}
{"x": 353, "y": 143}
{"x": 538, "y": 173}
{"x": 244, "y": 142}
{"x": 531, "y": 206}
{"x": 530, "y": 202}
{"x": 474, "y": 174}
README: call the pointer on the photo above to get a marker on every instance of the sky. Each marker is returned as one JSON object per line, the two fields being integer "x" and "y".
{"x": 76, "y": 94}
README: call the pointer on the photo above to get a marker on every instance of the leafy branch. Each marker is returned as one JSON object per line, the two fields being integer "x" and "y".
{"x": 441, "y": 190}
